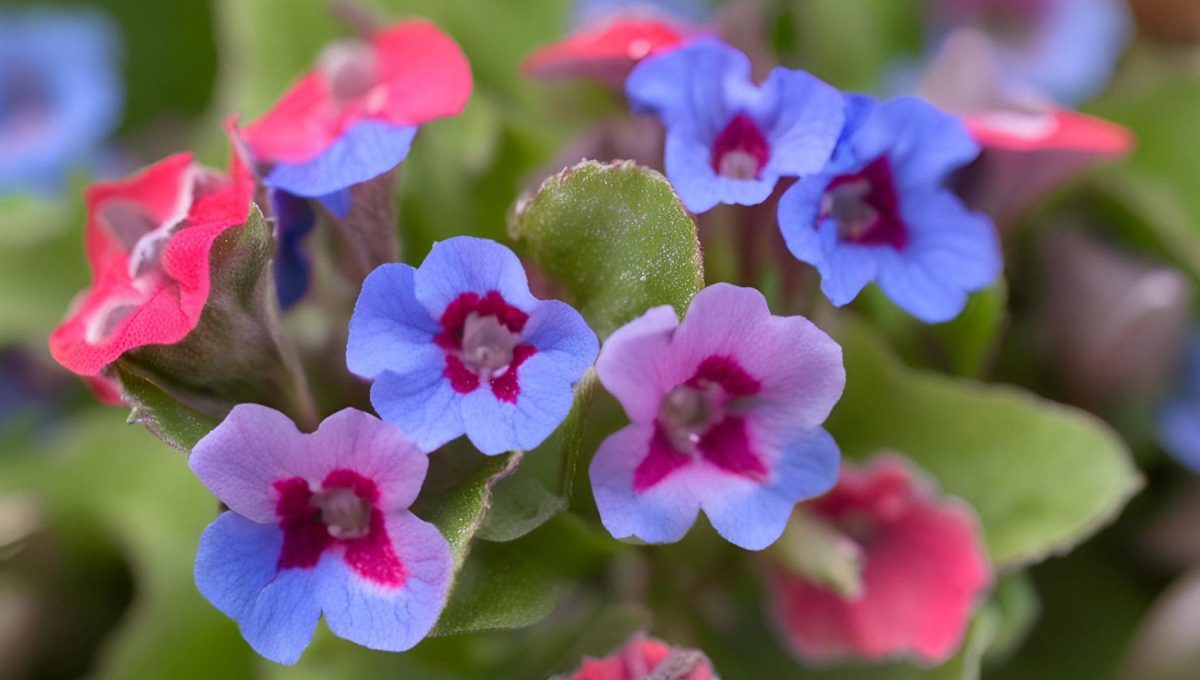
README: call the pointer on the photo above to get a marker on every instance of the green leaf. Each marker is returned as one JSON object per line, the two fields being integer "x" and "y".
{"x": 177, "y": 425}
{"x": 499, "y": 588}
{"x": 619, "y": 238}
{"x": 458, "y": 492}
{"x": 1042, "y": 476}
{"x": 520, "y": 504}
{"x": 236, "y": 354}
{"x": 100, "y": 473}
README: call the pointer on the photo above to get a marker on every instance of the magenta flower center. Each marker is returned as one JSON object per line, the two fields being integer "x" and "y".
{"x": 343, "y": 515}
{"x": 865, "y": 207}
{"x": 349, "y": 68}
{"x": 740, "y": 150}
{"x": 703, "y": 420}
{"x": 481, "y": 336}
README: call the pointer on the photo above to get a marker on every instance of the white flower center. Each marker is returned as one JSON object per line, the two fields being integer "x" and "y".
{"x": 688, "y": 412}
{"x": 345, "y": 514}
{"x": 738, "y": 164}
{"x": 487, "y": 345}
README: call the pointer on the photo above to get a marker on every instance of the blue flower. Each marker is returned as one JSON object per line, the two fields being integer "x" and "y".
{"x": 459, "y": 345}
{"x": 60, "y": 94}
{"x": 729, "y": 140}
{"x": 1179, "y": 415}
{"x": 880, "y": 212}
{"x": 294, "y": 221}
{"x": 1065, "y": 49}
{"x": 318, "y": 526}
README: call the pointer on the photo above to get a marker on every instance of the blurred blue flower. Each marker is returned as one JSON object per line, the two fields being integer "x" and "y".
{"x": 728, "y": 139}
{"x": 1179, "y": 415}
{"x": 60, "y": 94}
{"x": 880, "y": 212}
{"x": 1065, "y": 49}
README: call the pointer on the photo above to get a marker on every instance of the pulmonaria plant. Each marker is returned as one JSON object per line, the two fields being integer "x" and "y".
{"x": 645, "y": 658}
{"x": 318, "y": 524}
{"x": 355, "y": 116}
{"x": 459, "y": 345}
{"x": 149, "y": 245}
{"x": 1065, "y": 49}
{"x": 729, "y": 140}
{"x": 920, "y": 570}
{"x": 880, "y": 211}
{"x": 60, "y": 94}
{"x": 726, "y": 410}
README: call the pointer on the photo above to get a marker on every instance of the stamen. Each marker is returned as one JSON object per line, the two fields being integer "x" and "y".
{"x": 688, "y": 412}
{"x": 345, "y": 514}
{"x": 487, "y": 345}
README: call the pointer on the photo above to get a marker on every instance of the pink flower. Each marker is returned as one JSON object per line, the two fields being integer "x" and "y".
{"x": 149, "y": 242}
{"x": 318, "y": 525}
{"x": 646, "y": 659}
{"x": 354, "y": 117}
{"x": 607, "y": 51}
{"x": 922, "y": 569}
{"x": 726, "y": 412}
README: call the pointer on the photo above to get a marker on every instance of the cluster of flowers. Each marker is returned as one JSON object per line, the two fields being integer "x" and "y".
{"x": 725, "y": 407}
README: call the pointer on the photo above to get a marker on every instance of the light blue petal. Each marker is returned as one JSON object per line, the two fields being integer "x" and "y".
{"x": 806, "y": 116}
{"x": 923, "y": 144}
{"x": 545, "y": 398}
{"x": 392, "y": 620}
{"x": 365, "y": 151}
{"x": 466, "y": 264}
{"x": 236, "y": 571}
{"x": 696, "y": 85}
{"x": 561, "y": 336}
{"x": 755, "y": 518}
{"x": 389, "y": 329}
{"x": 660, "y": 514}
{"x": 421, "y": 403}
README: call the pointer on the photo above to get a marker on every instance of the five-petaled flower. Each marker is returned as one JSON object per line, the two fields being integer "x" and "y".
{"x": 726, "y": 412}
{"x": 880, "y": 211}
{"x": 354, "y": 117}
{"x": 643, "y": 658}
{"x": 149, "y": 243}
{"x": 1064, "y": 49}
{"x": 729, "y": 140}
{"x": 459, "y": 345}
{"x": 922, "y": 569}
{"x": 318, "y": 524}
{"x": 60, "y": 94}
